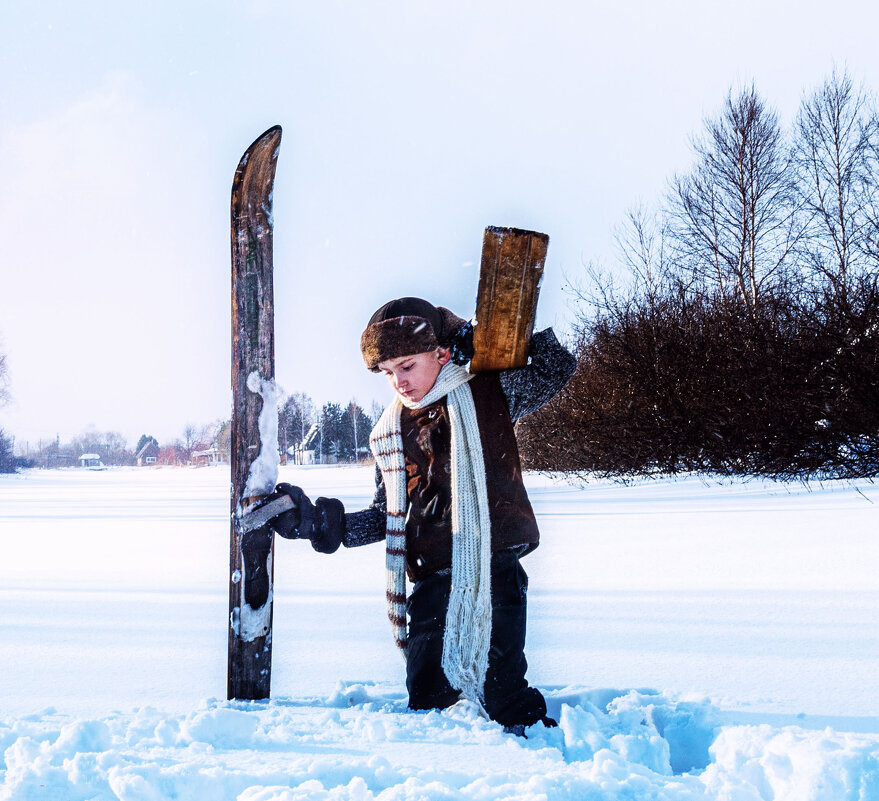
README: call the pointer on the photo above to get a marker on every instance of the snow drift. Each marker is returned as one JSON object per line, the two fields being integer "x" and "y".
{"x": 739, "y": 624}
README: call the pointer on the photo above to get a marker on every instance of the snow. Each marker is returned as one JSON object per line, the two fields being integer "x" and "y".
{"x": 361, "y": 743}
{"x": 263, "y": 474}
{"x": 695, "y": 641}
{"x": 248, "y": 622}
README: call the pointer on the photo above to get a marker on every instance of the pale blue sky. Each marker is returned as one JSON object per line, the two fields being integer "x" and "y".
{"x": 408, "y": 127}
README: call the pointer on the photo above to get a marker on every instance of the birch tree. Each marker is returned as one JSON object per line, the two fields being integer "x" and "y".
{"x": 734, "y": 220}
{"x": 837, "y": 137}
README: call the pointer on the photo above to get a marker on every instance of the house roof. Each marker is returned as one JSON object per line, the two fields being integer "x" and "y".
{"x": 150, "y": 449}
{"x": 213, "y": 450}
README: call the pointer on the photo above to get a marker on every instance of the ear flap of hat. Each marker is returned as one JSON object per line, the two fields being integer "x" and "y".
{"x": 451, "y": 324}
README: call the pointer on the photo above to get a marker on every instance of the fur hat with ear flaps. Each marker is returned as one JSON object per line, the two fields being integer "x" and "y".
{"x": 407, "y": 326}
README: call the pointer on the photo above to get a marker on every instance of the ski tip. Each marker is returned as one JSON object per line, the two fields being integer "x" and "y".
{"x": 263, "y": 151}
{"x": 270, "y": 137}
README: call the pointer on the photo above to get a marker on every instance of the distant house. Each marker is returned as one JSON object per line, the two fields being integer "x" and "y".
{"x": 148, "y": 454}
{"x": 202, "y": 455}
{"x": 297, "y": 455}
{"x": 91, "y": 461}
{"x": 304, "y": 452}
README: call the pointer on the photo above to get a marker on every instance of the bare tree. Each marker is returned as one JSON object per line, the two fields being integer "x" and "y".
{"x": 837, "y": 137}
{"x": 295, "y": 417}
{"x": 354, "y": 411}
{"x": 375, "y": 411}
{"x": 361, "y": 426}
{"x": 109, "y": 445}
{"x": 190, "y": 440}
{"x": 642, "y": 245}
{"x": 209, "y": 432}
{"x": 7, "y": 458}
{"x": 4, "y": 380}
{"x": 224, "y": 440}
{"x": 734, "y": 215}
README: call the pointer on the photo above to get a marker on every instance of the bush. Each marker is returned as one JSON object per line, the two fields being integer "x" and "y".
{"x": 698, "y": 382}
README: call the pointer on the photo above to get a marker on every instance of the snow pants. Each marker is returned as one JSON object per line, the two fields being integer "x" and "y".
{"x": 508, "y": 698}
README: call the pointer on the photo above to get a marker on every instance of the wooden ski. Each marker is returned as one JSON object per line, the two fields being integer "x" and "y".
{"x": 506, "y": 301}
{"x": 254, "y": 447}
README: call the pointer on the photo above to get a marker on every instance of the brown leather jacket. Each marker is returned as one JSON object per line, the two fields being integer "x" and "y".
{"x": 427, "y": 447}
{"x": 500, "y": 399}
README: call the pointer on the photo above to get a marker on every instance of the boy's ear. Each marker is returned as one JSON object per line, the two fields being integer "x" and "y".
{"x": 443, "y": 355}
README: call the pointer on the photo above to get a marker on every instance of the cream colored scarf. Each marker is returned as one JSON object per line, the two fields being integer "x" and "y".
{"x": 468, "y": 620}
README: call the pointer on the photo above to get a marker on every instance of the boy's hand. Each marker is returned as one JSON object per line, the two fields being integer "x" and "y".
{"x": 460, "y": 344}
{"x": 323, "y": 522}
{"x": 329, "y": 525}
{"x": 298, "y": 522}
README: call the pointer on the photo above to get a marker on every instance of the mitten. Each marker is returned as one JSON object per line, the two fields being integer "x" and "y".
{"x": 298, "y": 522}
{"x": 460, "y": 343}
{"x": 329, "y": 525}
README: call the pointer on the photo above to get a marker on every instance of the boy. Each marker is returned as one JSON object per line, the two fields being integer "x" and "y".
{"x": 451, "y": 507}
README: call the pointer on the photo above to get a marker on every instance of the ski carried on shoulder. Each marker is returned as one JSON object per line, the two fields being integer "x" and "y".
{"x": 506, "y": 300}
{"x": 254, "y": 446}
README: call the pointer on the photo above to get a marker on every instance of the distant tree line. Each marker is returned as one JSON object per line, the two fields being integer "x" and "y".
{"x": 110, "y": 446}
{"x": 340, "y": 434}
{"x": 745, "y": 336}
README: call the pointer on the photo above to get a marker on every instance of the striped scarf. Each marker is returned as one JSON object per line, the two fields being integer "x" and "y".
{"x": 468, "y": 619}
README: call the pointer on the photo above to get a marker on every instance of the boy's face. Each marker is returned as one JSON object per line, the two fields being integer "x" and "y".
{"x": 414, "y": 376}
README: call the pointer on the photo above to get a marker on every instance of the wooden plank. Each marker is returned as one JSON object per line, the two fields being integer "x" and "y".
{"x": 251, "y": 553}
{"x": 506, "y": 301}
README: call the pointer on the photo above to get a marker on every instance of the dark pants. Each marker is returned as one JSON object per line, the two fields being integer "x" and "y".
{"x": 508, "y": 698}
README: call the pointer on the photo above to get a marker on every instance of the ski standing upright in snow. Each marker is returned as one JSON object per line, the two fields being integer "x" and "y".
{"x": 254, "y": 447}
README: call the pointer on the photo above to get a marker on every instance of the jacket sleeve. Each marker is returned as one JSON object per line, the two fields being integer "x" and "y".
{"x": 550, "y": 367}
{"x": 368, "y": 525}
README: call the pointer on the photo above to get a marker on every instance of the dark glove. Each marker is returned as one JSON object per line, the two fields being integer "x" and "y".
{"x": 322, "y": 522}
{"x": 460, "y": 344}
{"x": 329, "y": 525}
{"x": 298, "y": 522}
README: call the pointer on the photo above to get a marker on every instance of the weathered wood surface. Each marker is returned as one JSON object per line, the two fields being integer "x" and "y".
{"x": 250, "y": 583}
{"x": 506, "y": 301}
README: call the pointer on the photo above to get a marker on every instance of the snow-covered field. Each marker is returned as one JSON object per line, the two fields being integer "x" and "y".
{"x": 694, "y": 640}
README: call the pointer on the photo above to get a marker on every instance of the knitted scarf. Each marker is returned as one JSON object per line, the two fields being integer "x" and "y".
{"x": 468, "y": 620}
